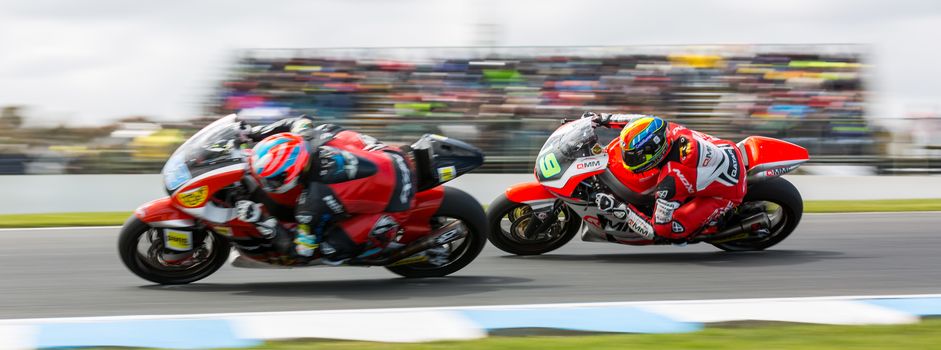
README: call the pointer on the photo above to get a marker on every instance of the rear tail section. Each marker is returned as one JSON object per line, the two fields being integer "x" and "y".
{"x": 767, "y": 157}
{"x": 439, "y": 159}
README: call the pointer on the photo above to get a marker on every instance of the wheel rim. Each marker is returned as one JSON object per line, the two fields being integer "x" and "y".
{"x": 147, "y": 253}
{"x": 514, "y": 223}
{"x": 777, "y": 214}
{"x": 455, "y": 249}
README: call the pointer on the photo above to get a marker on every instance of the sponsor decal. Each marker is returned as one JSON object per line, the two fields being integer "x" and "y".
{"x": 549, "y": 165}
{"x": 777, "y": 171}
{"x": 447, "y": 173}
{"x": 678, "y": 228}
{"x": 350, "y": 164}
{"x": 333, "y": 204}
{"x": 180, "y": 241}
{"x": 707, "y": 156}
{"x": 406, "y": 178}
{"x": 193, "y": 198}
{"x": 596, "y": 149}
{"x": 663, "y": 194}
{"x": 588, "y": 164}
{"x": 593, "y": 220}
{"x": 733, "y": 163}
{"x": 640, "y": 226}
{"x": 664, "y": 212}
{"x": 683, "y": 180}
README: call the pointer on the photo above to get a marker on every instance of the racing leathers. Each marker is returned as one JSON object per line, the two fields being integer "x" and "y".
{"x": 351, "y": 199}
{"x": 699, "y": 181}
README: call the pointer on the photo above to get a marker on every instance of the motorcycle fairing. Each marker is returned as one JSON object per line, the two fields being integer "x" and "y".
{"x": 162, "y": 213}
{"x": 599, "y": 226}
{"x": 531, "y": 193}
{"x": 767, "y": 157}
{"x": 426, "y": 205}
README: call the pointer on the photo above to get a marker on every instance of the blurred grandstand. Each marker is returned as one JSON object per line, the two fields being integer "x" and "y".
{"x": 508, "y": 100}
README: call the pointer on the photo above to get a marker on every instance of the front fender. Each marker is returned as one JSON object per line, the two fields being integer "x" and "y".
{"x": 162, "y": 213}
{"x": 529, "y": 193}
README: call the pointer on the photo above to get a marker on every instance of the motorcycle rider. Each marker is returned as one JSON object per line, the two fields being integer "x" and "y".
{"x": 696, "y": 178}
{"x": 352, "y": 192}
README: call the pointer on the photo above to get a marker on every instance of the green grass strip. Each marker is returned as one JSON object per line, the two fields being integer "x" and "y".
{"x": 924, "y": 335}
{"x": 872, "y": 206}
{"x": 63, "y": 219}
{"x": 117, "y": 218}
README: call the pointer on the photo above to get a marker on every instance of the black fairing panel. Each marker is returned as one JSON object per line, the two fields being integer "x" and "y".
{"x": 439, "y": 159}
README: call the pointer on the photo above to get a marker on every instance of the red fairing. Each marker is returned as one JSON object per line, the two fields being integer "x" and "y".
{"x": 529, "y": 191}
{"x": 426, "y": 205}
{"x": 160, "y": 210}
{"x": 766, "y": 150}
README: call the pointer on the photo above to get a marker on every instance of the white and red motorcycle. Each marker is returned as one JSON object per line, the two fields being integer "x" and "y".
{"x": 538, "y": 217}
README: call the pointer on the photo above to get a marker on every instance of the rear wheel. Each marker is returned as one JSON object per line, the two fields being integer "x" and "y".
{"x": 457, "y": 206}
{"x": 508, "y": 221}
{"x": 140, "y": 247}
{"x": 781, "y": 201}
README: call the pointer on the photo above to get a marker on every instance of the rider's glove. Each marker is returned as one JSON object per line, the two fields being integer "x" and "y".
{"x": 597, "y": 119}
{"x": 248, "y": 211}
{"x": 245, "y": 133}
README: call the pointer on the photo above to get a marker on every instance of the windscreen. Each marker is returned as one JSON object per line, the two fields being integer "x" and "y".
{"x": 211, "y": 148}
{"x": 571, "y": 141}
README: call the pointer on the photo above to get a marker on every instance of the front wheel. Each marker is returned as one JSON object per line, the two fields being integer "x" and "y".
{"x": 140, "y": 247}
{"x": 781, "y": 201}
{"x": 457, "y": 206}
{"x": 508, "y": 221}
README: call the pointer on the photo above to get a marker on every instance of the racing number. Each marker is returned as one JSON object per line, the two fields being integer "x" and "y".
{"x": 549, "y": 166}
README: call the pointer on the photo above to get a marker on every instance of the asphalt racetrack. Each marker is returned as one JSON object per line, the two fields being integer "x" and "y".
{"x": 76, "y": 272}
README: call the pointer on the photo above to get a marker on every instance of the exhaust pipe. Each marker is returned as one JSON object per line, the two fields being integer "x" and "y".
{"x": 750, "y": 225}
{"x": 443, "y": 235}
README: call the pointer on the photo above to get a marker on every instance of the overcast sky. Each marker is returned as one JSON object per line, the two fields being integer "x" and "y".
{"x": 93, "y": 61}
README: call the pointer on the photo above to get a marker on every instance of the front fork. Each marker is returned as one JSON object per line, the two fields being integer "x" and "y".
{"x": 542, "y": 218}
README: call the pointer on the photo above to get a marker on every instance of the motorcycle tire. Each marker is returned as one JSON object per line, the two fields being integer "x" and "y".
{"x": 778, "y": 191}
{"x": 458, "y": 205}
{"x": 128, "y": 250}
{"x": 502, "y": 206}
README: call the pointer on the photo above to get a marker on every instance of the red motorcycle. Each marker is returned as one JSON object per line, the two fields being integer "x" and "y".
{"x": 187, "y": 235}
{"x": 538, "y": 217}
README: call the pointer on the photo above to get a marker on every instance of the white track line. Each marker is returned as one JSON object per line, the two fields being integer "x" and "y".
{"x": 458, "y": 308}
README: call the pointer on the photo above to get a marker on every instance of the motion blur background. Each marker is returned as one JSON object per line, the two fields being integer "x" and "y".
{"x": 107, "y": 86}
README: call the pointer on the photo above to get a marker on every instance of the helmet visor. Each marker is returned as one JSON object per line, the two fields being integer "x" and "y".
{"x": 638, "y": 158}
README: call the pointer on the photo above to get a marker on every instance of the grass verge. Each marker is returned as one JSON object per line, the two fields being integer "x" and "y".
{"x": 924, "y": 335}
{"x": 117, "y": 218}
{"x": 872, "y": 206}
{"x": 63, "y": 219}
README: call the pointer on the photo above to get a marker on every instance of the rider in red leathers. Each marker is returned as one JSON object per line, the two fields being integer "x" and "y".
{"x": 349, "y": 192}
{"x": 695, "y": 178}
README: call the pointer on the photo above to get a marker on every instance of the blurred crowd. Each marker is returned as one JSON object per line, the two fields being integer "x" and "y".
{"x": 506, "y": 101}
